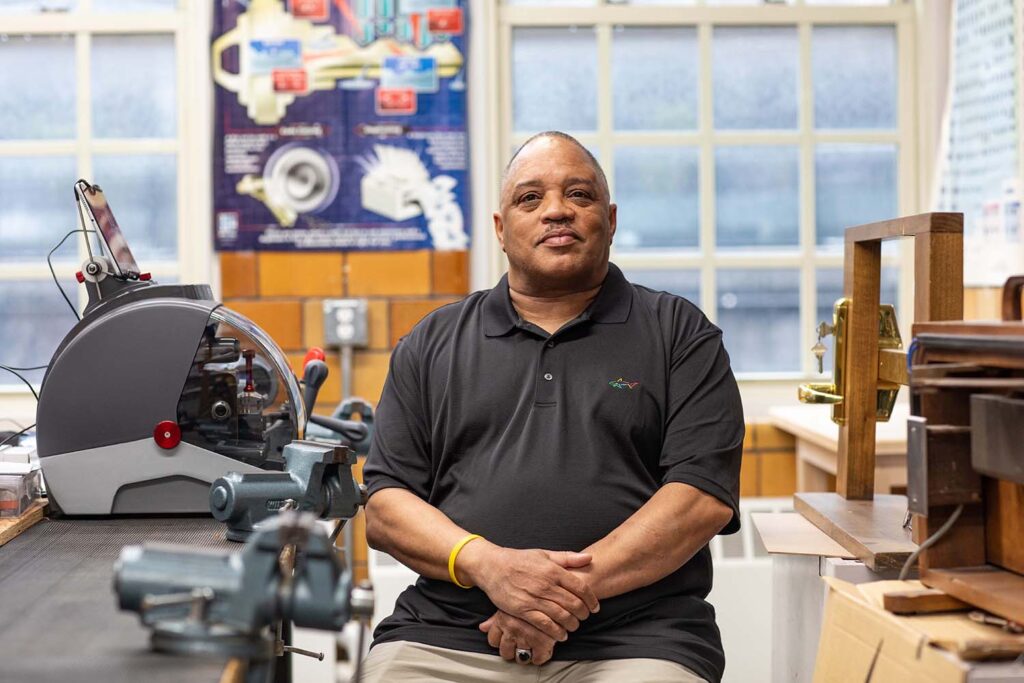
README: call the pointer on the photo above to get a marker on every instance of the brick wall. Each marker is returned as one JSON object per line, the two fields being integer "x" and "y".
{"x": 283, "y": 293}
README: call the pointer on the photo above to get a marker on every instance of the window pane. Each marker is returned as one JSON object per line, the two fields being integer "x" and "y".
{"x": 37, "y": 87}
{"x": 854, "y": 76}
{"x": 830, "y": 288}
{"x": 758, "y": 311}
{"x": 554, "y": 79}
{"x": 662, "y": 98}
{"x": 853, "y": 184}
{"x": 685, "y": 283}
{"x": 757, "y": 196}
{"x": 125, "y": 102}
{"x": 755, "y": 77}
{"x": 142, "y": 191}
{"x": 37, "y": 208}
{"x": 134, "y": 5}
{"x": 35, "y": 319}
{"x": 657, "y": 191}
{"x": 37, "y": 6}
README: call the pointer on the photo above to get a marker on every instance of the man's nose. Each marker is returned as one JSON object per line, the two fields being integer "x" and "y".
{"x": 556, "y": 208}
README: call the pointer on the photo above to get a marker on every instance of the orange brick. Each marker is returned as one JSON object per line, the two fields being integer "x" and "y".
{"x": 330, "y": 392}
{"x": 313, "y": 323}
{"x": 369, "y": 370}
{"x": 282, "y": 320}
{"x": 450, "y": 272}
{"x": 748, "y": 475}
{"x": 237, "y": 274}
{"x": 377, "y": 313}
{"x": 286, "y": 273}
{"x": 778, "y": 474}
{"x": 405, "y": 314}
{"x": 388, "y": 273}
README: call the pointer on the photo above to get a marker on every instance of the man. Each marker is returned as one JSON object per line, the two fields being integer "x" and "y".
{"x": 552, "y": 457}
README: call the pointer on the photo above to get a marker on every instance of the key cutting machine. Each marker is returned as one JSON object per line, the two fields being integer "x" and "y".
{"x": 157, "y": 391}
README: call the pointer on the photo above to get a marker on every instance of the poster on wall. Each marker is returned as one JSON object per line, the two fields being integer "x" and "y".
{"x": 340, "y": 124}
{"x": 979, "y": 171}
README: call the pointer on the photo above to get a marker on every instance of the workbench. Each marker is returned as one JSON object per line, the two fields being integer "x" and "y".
{"x": 58, "y": 612}
{"x": 817, "y": 446}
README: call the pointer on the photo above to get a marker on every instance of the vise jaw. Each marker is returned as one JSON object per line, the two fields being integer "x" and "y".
{"x": 317, "y": 479}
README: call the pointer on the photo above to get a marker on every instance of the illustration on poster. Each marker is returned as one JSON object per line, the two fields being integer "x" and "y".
{"x": 397, "y": 185}
{"x": 281, "y": 57}
{"x": 296, "y": 179}
{"x": 340, "y": 124}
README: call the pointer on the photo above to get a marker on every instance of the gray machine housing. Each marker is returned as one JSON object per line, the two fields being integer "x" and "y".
{"x": 116, "y": 375}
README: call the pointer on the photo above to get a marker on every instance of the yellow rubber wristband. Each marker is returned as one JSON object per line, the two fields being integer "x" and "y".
{"x": 455, "y": 553}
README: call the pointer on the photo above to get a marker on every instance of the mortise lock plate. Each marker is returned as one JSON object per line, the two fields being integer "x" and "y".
{"x": 832, "y": 393}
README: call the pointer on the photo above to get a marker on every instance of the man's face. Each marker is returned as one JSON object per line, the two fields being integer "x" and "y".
{"x": 556, "y": 222}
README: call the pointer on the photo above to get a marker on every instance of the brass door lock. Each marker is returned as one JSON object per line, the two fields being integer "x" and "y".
{"x": 832, "y": 393}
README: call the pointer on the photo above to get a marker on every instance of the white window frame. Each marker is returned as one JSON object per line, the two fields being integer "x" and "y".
{"x": 189, "y": 24}
{"x": 771, "y": 386}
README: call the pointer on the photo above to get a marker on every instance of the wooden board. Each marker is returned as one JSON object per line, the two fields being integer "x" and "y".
{"x": 926, "y": 601}
{"x": 789, "y": 533}
{"x": 1004, "y": 524}
{"x": 10, "y": 527}
{"x": 871, "y": 530}
{"x": 989, "y": 588}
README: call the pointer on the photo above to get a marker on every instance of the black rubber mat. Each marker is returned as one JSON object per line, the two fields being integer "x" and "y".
{"x": 59, "y": 619}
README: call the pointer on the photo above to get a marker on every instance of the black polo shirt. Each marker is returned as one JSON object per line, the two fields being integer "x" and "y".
{"x": 552, "y": 441}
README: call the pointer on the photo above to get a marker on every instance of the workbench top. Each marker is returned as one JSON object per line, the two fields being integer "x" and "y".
{"x": 59, "y": 619}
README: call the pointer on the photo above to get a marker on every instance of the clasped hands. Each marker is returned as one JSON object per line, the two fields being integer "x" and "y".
{"x": 541, "y": 596}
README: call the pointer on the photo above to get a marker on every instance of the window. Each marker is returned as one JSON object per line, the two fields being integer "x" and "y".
{"x": 739, "y": 143}
{"x": 92, "y": 89}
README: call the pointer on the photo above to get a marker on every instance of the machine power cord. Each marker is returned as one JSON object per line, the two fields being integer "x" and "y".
{"x": 17, "y": 434}
{"x": 49, "y": 262}
{"x": 14, "y": 371}
{"x": 930, "y": 541}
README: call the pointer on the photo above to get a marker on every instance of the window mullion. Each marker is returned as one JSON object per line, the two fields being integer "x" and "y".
{"x": 605, "y": 112}
{"x": 706, "y": 173}
{"x": 83, "y": 114}
{"x": 808, "y": 274}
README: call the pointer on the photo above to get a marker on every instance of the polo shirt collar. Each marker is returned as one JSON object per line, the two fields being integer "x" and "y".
{"x": 612, "y": 304}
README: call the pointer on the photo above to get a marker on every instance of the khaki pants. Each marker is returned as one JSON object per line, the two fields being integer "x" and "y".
{"x": 405, "y": 662}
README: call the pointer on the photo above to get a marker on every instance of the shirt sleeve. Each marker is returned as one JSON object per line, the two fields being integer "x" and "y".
{"x": 704, "y": 430}
{"x": 400, "y": 449}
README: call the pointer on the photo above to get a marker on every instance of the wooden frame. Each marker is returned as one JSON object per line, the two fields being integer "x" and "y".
{"x": 871, "y": 527}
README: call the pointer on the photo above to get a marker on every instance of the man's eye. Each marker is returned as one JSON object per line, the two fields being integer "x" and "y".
{"x": 529, "y": 197}
{"x": 583, "y": 194}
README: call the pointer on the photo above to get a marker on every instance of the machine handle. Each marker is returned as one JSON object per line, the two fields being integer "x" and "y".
{"x": 1011, "y": 297}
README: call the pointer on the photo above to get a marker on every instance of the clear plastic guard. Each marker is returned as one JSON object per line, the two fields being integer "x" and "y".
{"x": 241, "y": 398}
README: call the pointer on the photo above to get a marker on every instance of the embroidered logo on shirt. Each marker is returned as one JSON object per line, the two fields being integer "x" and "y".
{"x": 623, "y": 384}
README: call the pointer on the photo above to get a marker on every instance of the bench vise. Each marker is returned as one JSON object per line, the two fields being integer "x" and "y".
{"x": 317, "y": 479}
{"x": 227, "y": 603}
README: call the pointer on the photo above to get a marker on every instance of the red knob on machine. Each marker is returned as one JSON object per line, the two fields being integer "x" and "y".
{"x": 315, "y": 353}
{"x": 167, "y": 434}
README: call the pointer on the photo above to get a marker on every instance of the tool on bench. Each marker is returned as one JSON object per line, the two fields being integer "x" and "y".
{"x": 229, "y": 604}
{"x": 317, "y": 479}
{"x": 157, "y": 391}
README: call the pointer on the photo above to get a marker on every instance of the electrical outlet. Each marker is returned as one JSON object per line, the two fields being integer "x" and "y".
{"x": 345, "y": 322}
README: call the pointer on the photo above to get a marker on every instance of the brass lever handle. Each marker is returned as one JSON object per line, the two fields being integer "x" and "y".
{"x": 819, "y": 393}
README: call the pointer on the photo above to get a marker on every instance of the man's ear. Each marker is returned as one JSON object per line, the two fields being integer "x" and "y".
{"x": 613, "y": 213}
{"x": 499, "y": 229}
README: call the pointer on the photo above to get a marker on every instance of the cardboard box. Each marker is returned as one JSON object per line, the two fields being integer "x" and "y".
{"x": 863, "y": 642}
